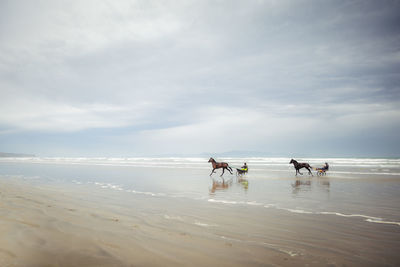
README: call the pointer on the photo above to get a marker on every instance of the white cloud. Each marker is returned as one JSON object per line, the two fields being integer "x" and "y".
{"x": 38, "y": 114}
{"x": 224, "y": 129}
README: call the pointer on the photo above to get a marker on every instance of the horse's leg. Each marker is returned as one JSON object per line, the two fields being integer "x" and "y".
{"x": 229, "y": 169}
{"x": 223, "y": 170}
{"x": 299, "y": 172}
{"x": 308, "y": 167}
{"x": 212, "y": 172}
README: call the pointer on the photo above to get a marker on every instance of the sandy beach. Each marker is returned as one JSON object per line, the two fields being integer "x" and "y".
{"x": 46, "y": 227}
{"x": 77, "y": 224}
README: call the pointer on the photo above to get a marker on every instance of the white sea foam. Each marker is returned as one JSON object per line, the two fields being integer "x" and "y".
{"x": 384, "y": 222}
{"x": 366, "y": 173}
{"x": 291, "y": 253}
{"x": 367, "y": 218}
{"x": 143, "y": 193}
{"x": 171, "y": 217}
{"x": 222, "y": 201}
{"x": 201, "y": 224}
{"x": 120, "y": 188}
{"x": 299, "y": 211}
{"x": 349, "y": 215}
{"x": 254, "y": 203}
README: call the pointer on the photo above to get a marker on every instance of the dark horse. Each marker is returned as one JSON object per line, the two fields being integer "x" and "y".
{"x": 218, "y": 165}
{"x": 298, "y": 166}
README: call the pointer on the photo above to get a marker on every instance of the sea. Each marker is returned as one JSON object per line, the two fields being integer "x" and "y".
{"x": 360, "y": 189}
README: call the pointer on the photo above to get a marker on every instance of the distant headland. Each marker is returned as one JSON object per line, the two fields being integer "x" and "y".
{"x": 15, "y": 155}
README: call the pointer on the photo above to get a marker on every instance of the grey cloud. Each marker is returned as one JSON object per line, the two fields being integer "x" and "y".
{"x": 156, "y": 68}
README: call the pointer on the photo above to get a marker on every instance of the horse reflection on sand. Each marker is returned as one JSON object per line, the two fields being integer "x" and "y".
{"x": 300, "y": 185}
{"x": 322, "y": 184}
{"x": 220, "y": 186}
{"x": 225, "y": 185}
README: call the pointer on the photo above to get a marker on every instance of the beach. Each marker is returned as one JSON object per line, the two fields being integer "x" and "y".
{"x": 169, "y": 212}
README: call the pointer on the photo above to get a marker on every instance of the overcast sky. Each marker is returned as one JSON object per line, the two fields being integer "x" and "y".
{"x": 140, "y": 78}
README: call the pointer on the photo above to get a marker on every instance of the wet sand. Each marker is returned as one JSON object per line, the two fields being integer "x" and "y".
{"x": 49, "y": 225}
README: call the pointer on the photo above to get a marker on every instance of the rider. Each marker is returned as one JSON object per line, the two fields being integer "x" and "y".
{"x": 326, "y": 167}
{"x": 244, "y": 167}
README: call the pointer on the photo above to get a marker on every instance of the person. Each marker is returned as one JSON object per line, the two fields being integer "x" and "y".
{"x": 244, "y": 167}
{"x": 323, "y": 170}
{"x": 326, "y": 167}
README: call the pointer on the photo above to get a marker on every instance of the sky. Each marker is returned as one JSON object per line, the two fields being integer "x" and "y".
{"x": 145, "y": 78}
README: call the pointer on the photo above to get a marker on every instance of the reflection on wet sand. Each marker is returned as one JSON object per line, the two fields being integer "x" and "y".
{"x": 324, "y": 183}
{"x": 300, "y": 185}
{"x": 306, "y": 185}
{"x": 243, "y": 182}
{"x": 225, "y": 185}
{"x": 220, "y": 185}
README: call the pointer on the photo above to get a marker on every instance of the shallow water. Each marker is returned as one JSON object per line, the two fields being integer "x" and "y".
{"x": 361, "y": 189}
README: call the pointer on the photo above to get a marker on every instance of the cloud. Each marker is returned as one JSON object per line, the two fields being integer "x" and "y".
{"x": 280, "y": 129}
{"x": 199, "y": 75}
{"x": 48, "y": 116}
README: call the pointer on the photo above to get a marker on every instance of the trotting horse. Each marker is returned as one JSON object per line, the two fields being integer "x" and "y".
{"x": 298, "y": 166}
{"x": 218, "y": 165}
